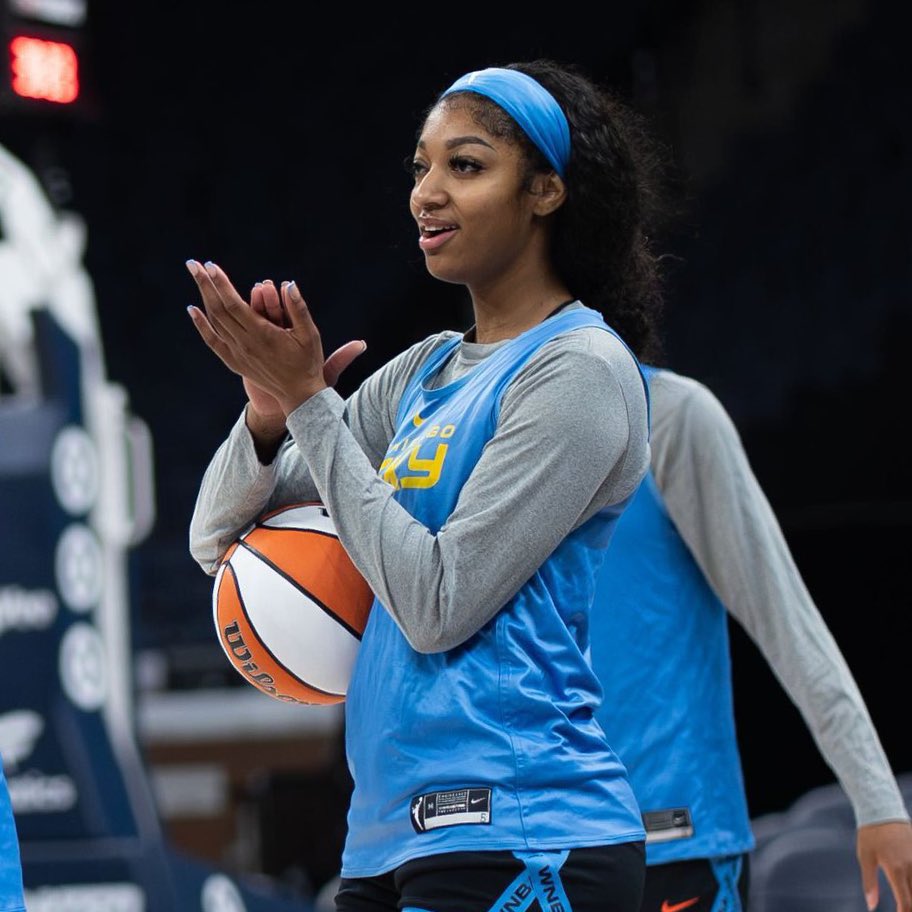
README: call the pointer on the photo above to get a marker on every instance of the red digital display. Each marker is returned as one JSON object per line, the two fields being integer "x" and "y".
{"x": 48, "y": 70}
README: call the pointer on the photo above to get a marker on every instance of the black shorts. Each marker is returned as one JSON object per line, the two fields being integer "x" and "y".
{"x": 602, "y": 879}
{"x": 702, "y": 885}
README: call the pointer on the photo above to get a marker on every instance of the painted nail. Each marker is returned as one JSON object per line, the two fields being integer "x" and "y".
{"x": 210, "y": 267}
{"x": 192, "y": 266}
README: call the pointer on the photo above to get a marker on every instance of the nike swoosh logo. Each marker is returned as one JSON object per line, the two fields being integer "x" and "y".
{"x": 676, "y": 907}
{"x": 477, "y": 800}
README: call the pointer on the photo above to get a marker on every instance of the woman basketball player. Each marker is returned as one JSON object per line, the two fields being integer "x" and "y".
{"x": 699, "y": 542}
{"x": 475, "y": 480}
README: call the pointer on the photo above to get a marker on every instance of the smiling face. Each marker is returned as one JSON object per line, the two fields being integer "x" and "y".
{"x": 476, "y": 213}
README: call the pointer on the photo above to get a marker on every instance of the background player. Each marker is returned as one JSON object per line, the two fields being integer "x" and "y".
{"x": 11, "y": 891}
{"x": 700, "y": 540}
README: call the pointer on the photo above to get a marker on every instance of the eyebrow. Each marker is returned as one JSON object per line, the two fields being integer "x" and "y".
{"x": 461, "y": 141}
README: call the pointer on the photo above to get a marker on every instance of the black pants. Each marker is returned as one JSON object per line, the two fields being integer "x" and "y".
{"x": 717, "y": 885}
{"x": 602, "y": 879}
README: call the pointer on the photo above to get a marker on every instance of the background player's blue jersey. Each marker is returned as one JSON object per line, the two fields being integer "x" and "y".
{"x": 493, "y": 744}
{"x": 660, "y": 648}
{"x": 11, "y": 898}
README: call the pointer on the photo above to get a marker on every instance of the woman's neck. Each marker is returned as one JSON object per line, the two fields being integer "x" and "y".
{"x": 512, "y": 308}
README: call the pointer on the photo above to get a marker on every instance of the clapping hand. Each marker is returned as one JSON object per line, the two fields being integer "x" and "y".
{"x": 272, "y": 342}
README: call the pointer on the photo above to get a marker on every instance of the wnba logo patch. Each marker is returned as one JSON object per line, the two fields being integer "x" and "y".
{"x": 440, "y": 809}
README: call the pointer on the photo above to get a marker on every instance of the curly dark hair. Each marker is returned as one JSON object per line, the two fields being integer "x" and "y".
{"x": 602, "y": 236}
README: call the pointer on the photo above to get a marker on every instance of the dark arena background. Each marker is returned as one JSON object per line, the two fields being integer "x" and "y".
{"x": 270, "y": 138}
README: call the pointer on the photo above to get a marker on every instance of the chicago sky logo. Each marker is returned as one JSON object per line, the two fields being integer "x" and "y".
{"x": 404, "y": 467}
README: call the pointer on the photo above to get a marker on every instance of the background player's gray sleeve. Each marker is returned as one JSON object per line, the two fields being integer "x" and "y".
{"x": 716, "y": 502}
{"x": 236, "y": 487}
{"x": 570, "y": 439}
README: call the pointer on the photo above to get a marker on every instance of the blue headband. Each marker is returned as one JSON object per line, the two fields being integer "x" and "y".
{"x": 529, "y": 103}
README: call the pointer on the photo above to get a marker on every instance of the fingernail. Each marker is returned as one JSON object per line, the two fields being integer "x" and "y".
{"x": 210, "y": 266}
{"x": 267, "y": 281}
{"x": 192, "y": 266}
{"x": 257, "y": 284}
{"x": 293, "y": 291}
{"x": 363, "y": 345}
{"x": 871, "y": 899}
{"x": 190, "y": 309}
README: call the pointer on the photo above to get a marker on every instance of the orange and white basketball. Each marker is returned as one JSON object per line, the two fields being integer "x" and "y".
{"x": 290, "y": 606}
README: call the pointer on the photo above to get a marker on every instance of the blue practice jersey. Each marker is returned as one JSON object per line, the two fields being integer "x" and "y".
{"x": 492, "y": 745}
{"x": 660, "y": 648}
{"x": 11, "y": 898}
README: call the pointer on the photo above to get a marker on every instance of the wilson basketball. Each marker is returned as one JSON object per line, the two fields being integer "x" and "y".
{"x": 290, "y": 606}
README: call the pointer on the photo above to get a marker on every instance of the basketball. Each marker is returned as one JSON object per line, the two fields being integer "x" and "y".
{"x": 290, "y": 606}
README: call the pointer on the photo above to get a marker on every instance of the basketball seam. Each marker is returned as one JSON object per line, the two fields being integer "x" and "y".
{"x": 261, "y": 643}
{"x": 261, "y": 525}
{"x": 339, "y": 620}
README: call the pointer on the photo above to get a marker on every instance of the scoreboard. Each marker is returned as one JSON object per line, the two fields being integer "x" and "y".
{"x": 45, "y": 57}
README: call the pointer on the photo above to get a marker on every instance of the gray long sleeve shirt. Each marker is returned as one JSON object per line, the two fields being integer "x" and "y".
{"x": 571, "y": 439}
{"x": 717, "y": 505}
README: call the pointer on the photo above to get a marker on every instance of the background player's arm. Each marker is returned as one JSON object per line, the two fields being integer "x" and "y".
{"x": 570, "y": 439}
{"x": 237, "y": 487}
{"x": 716, "y": 502}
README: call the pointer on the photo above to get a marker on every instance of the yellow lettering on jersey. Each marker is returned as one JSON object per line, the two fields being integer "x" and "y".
{"x": 430, "y": 467}
{"x": 426, "y": 472}
{"x": 387, "y": 470}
